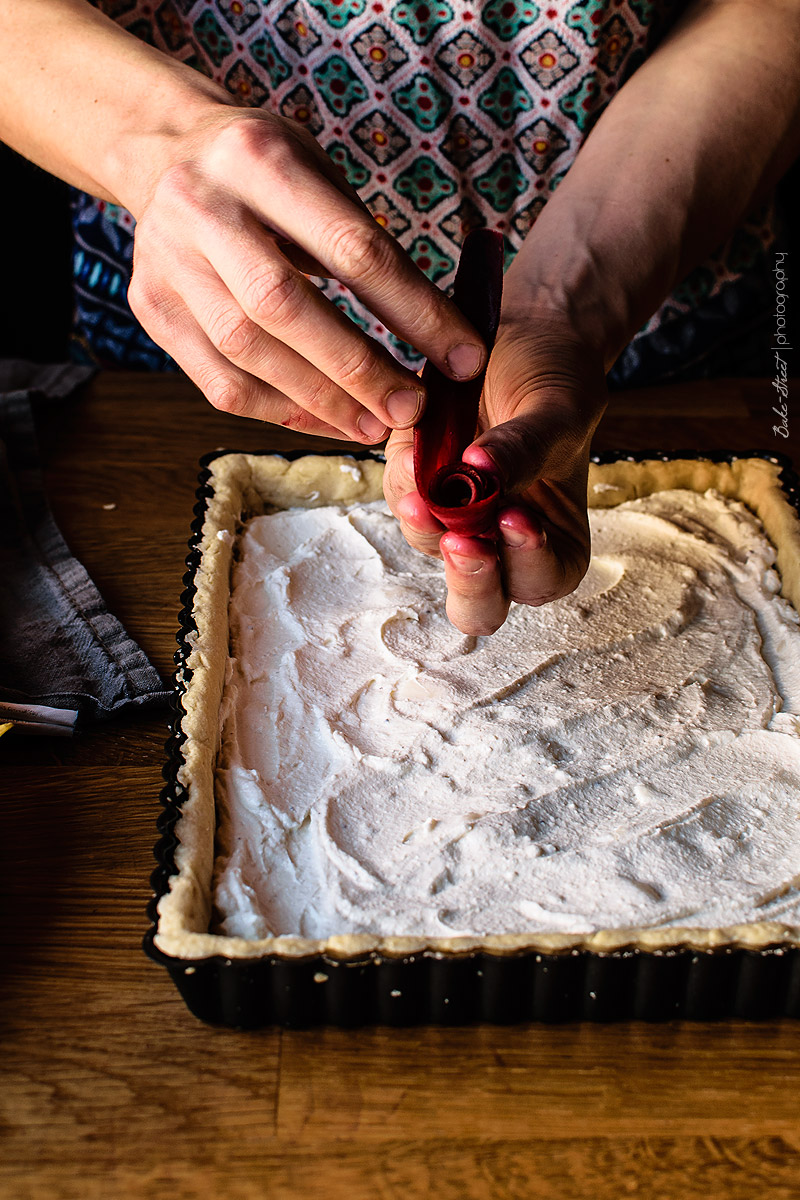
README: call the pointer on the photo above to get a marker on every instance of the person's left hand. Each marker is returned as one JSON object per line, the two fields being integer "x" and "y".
{"x": 542, "y": 399}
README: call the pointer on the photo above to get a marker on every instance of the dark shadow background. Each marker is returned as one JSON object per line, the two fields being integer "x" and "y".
{"x": 35, "y": 288}
{"x": 35, "y": 285}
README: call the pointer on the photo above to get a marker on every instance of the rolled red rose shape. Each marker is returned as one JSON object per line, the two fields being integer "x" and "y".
{"x": 462, "y": 497}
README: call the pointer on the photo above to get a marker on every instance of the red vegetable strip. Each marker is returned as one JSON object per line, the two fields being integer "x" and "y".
{"x": 461, "y": 496}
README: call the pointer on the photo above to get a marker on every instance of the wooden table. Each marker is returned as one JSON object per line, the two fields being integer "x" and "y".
{"x": 109, "y": 1088}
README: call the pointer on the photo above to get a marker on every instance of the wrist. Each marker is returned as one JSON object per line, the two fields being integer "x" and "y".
{"x": 563, "y": 293}
{"x": 564, "y": 348}
{"x": 180, "y": 107}
{"x": 539, "y": 352}
{"x": 122, "y": 106}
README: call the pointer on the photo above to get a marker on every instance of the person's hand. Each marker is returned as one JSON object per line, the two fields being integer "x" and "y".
{"x": 543, "y": 397}
{"x": 227, "y": 233}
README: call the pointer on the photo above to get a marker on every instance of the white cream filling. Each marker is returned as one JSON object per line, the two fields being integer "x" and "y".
{"x": 627, "y": 756}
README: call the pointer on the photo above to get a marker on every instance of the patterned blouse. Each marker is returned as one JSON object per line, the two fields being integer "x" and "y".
{"x": 443, "y": 115}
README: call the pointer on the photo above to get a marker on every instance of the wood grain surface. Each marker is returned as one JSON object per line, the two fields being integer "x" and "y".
{"x": 110, "y": 1088}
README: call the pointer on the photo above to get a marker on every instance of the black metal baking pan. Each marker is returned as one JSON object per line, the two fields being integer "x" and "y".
{"x": 458, "y": 989}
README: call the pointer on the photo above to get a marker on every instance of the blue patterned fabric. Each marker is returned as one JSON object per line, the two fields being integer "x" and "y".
{"x": 105, "y": 331}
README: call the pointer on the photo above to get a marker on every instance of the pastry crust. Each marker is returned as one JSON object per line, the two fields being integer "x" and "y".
{"x": 248, "y": 485}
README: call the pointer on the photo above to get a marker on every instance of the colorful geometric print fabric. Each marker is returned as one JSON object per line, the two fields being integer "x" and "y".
{"x": 443, "y": 114}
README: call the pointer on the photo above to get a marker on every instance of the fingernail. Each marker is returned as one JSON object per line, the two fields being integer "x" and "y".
{"x": 403, "y": 406}
{"x": 464, "y": 360}
{"x": 372, "y": 427}
{"x": 512, "y": 537}
{"x": 465, "y": 565}
{"x": 532, "y": 538}
{"x": 478, "y": 457}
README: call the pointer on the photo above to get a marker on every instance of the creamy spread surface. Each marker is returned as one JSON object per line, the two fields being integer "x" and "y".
{"x": 627, "y": 756}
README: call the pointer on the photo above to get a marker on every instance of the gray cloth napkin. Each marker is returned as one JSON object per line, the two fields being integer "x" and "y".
{"x": 59, "y": 644}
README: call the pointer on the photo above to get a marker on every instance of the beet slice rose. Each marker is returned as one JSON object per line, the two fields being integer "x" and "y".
{"x": 461, "y": 496}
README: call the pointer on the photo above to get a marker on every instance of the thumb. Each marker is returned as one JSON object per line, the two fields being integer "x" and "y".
{"x": 541, "y": 442}
{"x": 541, "y": 403}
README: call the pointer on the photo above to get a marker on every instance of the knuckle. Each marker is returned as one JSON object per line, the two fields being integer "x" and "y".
{"x": 254, "y": 141}
{"x": 430, "y": 318}
{"x": 358, "y": 371}
{"x": 272, "y": 297}
{"x": 244, "y": 138}
{"x": 393, "y": 489}
{"x": 142, "y": 296}
{"x": 154, "y": 305}
{"x": 303, "y": 422}
{"x": 316, "y": 397}
{"x": 178, "y": 186}
{"x": 233, "y": 333}
{"x": 426, "y": 545}
{"x": 359, "y": 250}
{"x": 227, "y": 394}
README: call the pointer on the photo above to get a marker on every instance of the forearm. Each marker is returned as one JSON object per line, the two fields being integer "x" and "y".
{"x": 89, "y": 102}
{"x": 690, "y": 144}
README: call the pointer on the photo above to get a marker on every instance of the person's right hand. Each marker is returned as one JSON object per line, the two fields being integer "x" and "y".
{"x": 227, "y": 233}
{"x": 542, "y": 399}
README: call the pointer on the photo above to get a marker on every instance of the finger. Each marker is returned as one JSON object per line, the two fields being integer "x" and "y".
{"x": 355, "y": 249}
{"x": 540, "y": 563}
{"x": 296, "y": 197}
{"x": 419, "y": 528}
{"x": 225, "y": 386}
{"x": 244, "y": 343}
{"x": 516, "y": 451}
{"x": 476, "y": 602}
{"x": 563, "y": 504}
{"x": 301, "y": 259}
{"x": 260, "y": 289}
{"x": 540, "y": 407}
{"x": 556, "y": 377}
{"x": 207, "y": 236}
{"x": 398, "y": 477}
{"x": 275, "y": 297}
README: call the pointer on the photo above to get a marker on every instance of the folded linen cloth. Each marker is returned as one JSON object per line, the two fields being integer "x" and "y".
{"x": 60, "y": 647}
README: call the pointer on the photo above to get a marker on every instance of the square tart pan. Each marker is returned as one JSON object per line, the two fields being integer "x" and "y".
{"x": 750, "y": 971}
